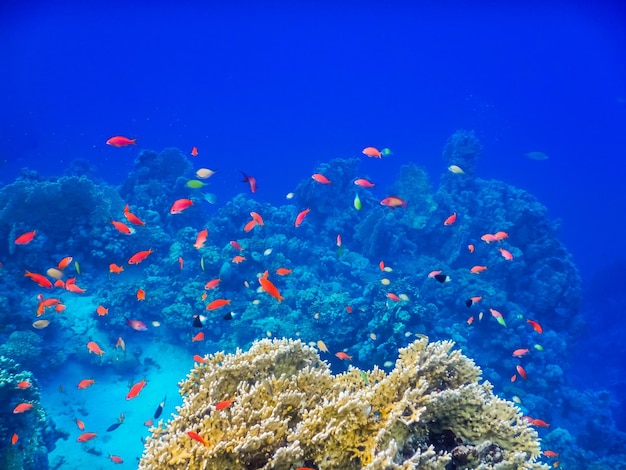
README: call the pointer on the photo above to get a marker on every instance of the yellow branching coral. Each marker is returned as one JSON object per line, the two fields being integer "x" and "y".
{"x": 277, "y": 406}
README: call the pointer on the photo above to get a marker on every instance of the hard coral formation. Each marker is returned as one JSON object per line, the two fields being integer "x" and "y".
{"x": 289, "y": 410}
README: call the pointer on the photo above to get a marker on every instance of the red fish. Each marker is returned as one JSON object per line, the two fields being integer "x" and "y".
{"x": 196, "y": 437}
{"x": 86, "y": 436}
{"x": 321, "y": 178}
{"x": 269, "y": 287}
{"x": 470, "y": 248}
{"x": 180, "y": 205}
{"x": 450, "y": 220}
{"x": 218, "y": 303}
{"x": 25, "y": 238}
{"x": 224, "y": 404}
{"x": 64, "y": 263}
{"x": 362, "y": 182}
{"x": 500, "y": 236}
{"x": 79, "y": 424}
{"x": 283, "y": 271}
{"x": 22, "y": 407}
{"x": 39, "y": 279}
{"x": 139, "y": 256}
{"x": 238, "y": 259}
{"x": 194, "y": 152}
{"x": 536, "y": 326}
{"x": 122, "y": 227}
{"x": 199, "y": 359}
{"x": 301, "y": 217}
{"x": 489, "y": 238}
{"x": 23, "y": 385}
{"x": 136, "y": 389}
{"x": 14, "y": 439}
{"x": 70, "y": 285}
{"x": 257, "y": 217}
{"x": 478, "y": 269}
{"x": 521, "y": 372}
{"x": 394, "y": 297}
{"x": 250, "y": 225}
{"x": 235, "y": 244}
{"x": 93, "y": 347}
{"x": 121, "y": 141}
{"x": 102, "y": 311}
{"x": 201, "y": 239}
{"x": 85, "y": 383}
{"x": 506, "y": 254}
{"x": 550, "y": 454}
{"x": 343, "y": 356}
{"x": 198, "y": 337}
{"x": 136, "y": 325}
{"x": 393, "y": 202}
{"x": 212, "y": 284}
{"x": 141, "y": 294}
{"x": 115, "y": 269}
{"x": 116, "y": 458}
{"x": 132, "y": 218}
{"x": 520, "y": 352}
{"x": 372, "y": 152}
{"x": 181, "y": 262}
{"x": 251, "y": 180}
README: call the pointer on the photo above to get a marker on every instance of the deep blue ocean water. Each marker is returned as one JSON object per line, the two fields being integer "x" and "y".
{"x": 275, "y": 91}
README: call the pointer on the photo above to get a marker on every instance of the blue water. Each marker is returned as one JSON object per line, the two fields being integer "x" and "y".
{"x": 279, "y": 92}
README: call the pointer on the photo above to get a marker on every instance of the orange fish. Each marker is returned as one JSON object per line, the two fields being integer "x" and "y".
{"x": 218, "y": 303}
{"x": 70, "y": 285}
{"x": 120, "y": 344}
{"x": 536, "y": 326}
{"x": 478, "y": 269}
{"x": 372, "y": 152}
{"x": 435, "y": 273}
{"x": 79, "y": 424}
{"x": 39, "y": 279}
{"x": 489, "y": 238}
{"x": 224, "y": 404}
{"x": 180, "y": 205}
{"x": 203, "y": 296}
{"x": 470, "y": 320}
{"x": 25, "y": 238}
{"x": 212, "y": 284}
{"x": 116, "y": 458}
{"x": 301, "y": 216}
{"x": 506, "y": 254}
{"x": 120, "y": 141}
{"x": 393, "y": 202}
{"x": 199, "y": 359}
{"x": 239, "y": 259}
{"x": 59, "y": 283}
{"x": 256, "y": 216}
{"x": 122, "y": 227}
{"x": 194, "y": 152}
{"x": 86, "y": 436}
{"x": 148, "y": 422}
{"x": 321, "y": 178}
{"x": 521, "y": 372}
{"x": 198, "y": 337}
{"x": 394, "y": 297}
{"x": 450, "y": 220}
{"x": 14, "y": 439}
{"x": 181, "y": 262}
{"x": 23, "y": 385}
{"x": 362, "y": 182}
{"x": 550, "y": 454}
{"x": 93, "y": 347}
{"x": 251, "y": 180}
{"x": 136, "y": 389}
{"x": 22, "y": 407}
{"x": 339, "y": 242}
{"x": 101, "y": 311}
{"x": 235, "y": 244}
{"x": 141, "y": 295}
{"x": 115, "y": 269}
{"x": 139, "y": 256}
{"x": 201, "y": 239}
{"x": 283, "y": 271}
{"x": 343, "y": 356}
{"x": 520, "y": 353}
{"x": 500, "y": 236}
{"x": 64, "y": 263}
{"x": 250, "y": 225}
{"x": 513, "y": 377}
{"x": 85, "y": 383}
{"x": 470, "y": 247}
{"x": 60, "y": 308}
{"x": 269, "y": 287}
{"x": 132, "y": 218}
{"x": 196, "y": 437}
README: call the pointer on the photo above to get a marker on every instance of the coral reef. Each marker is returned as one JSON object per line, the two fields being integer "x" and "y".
{"x": 278, "y": 406}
